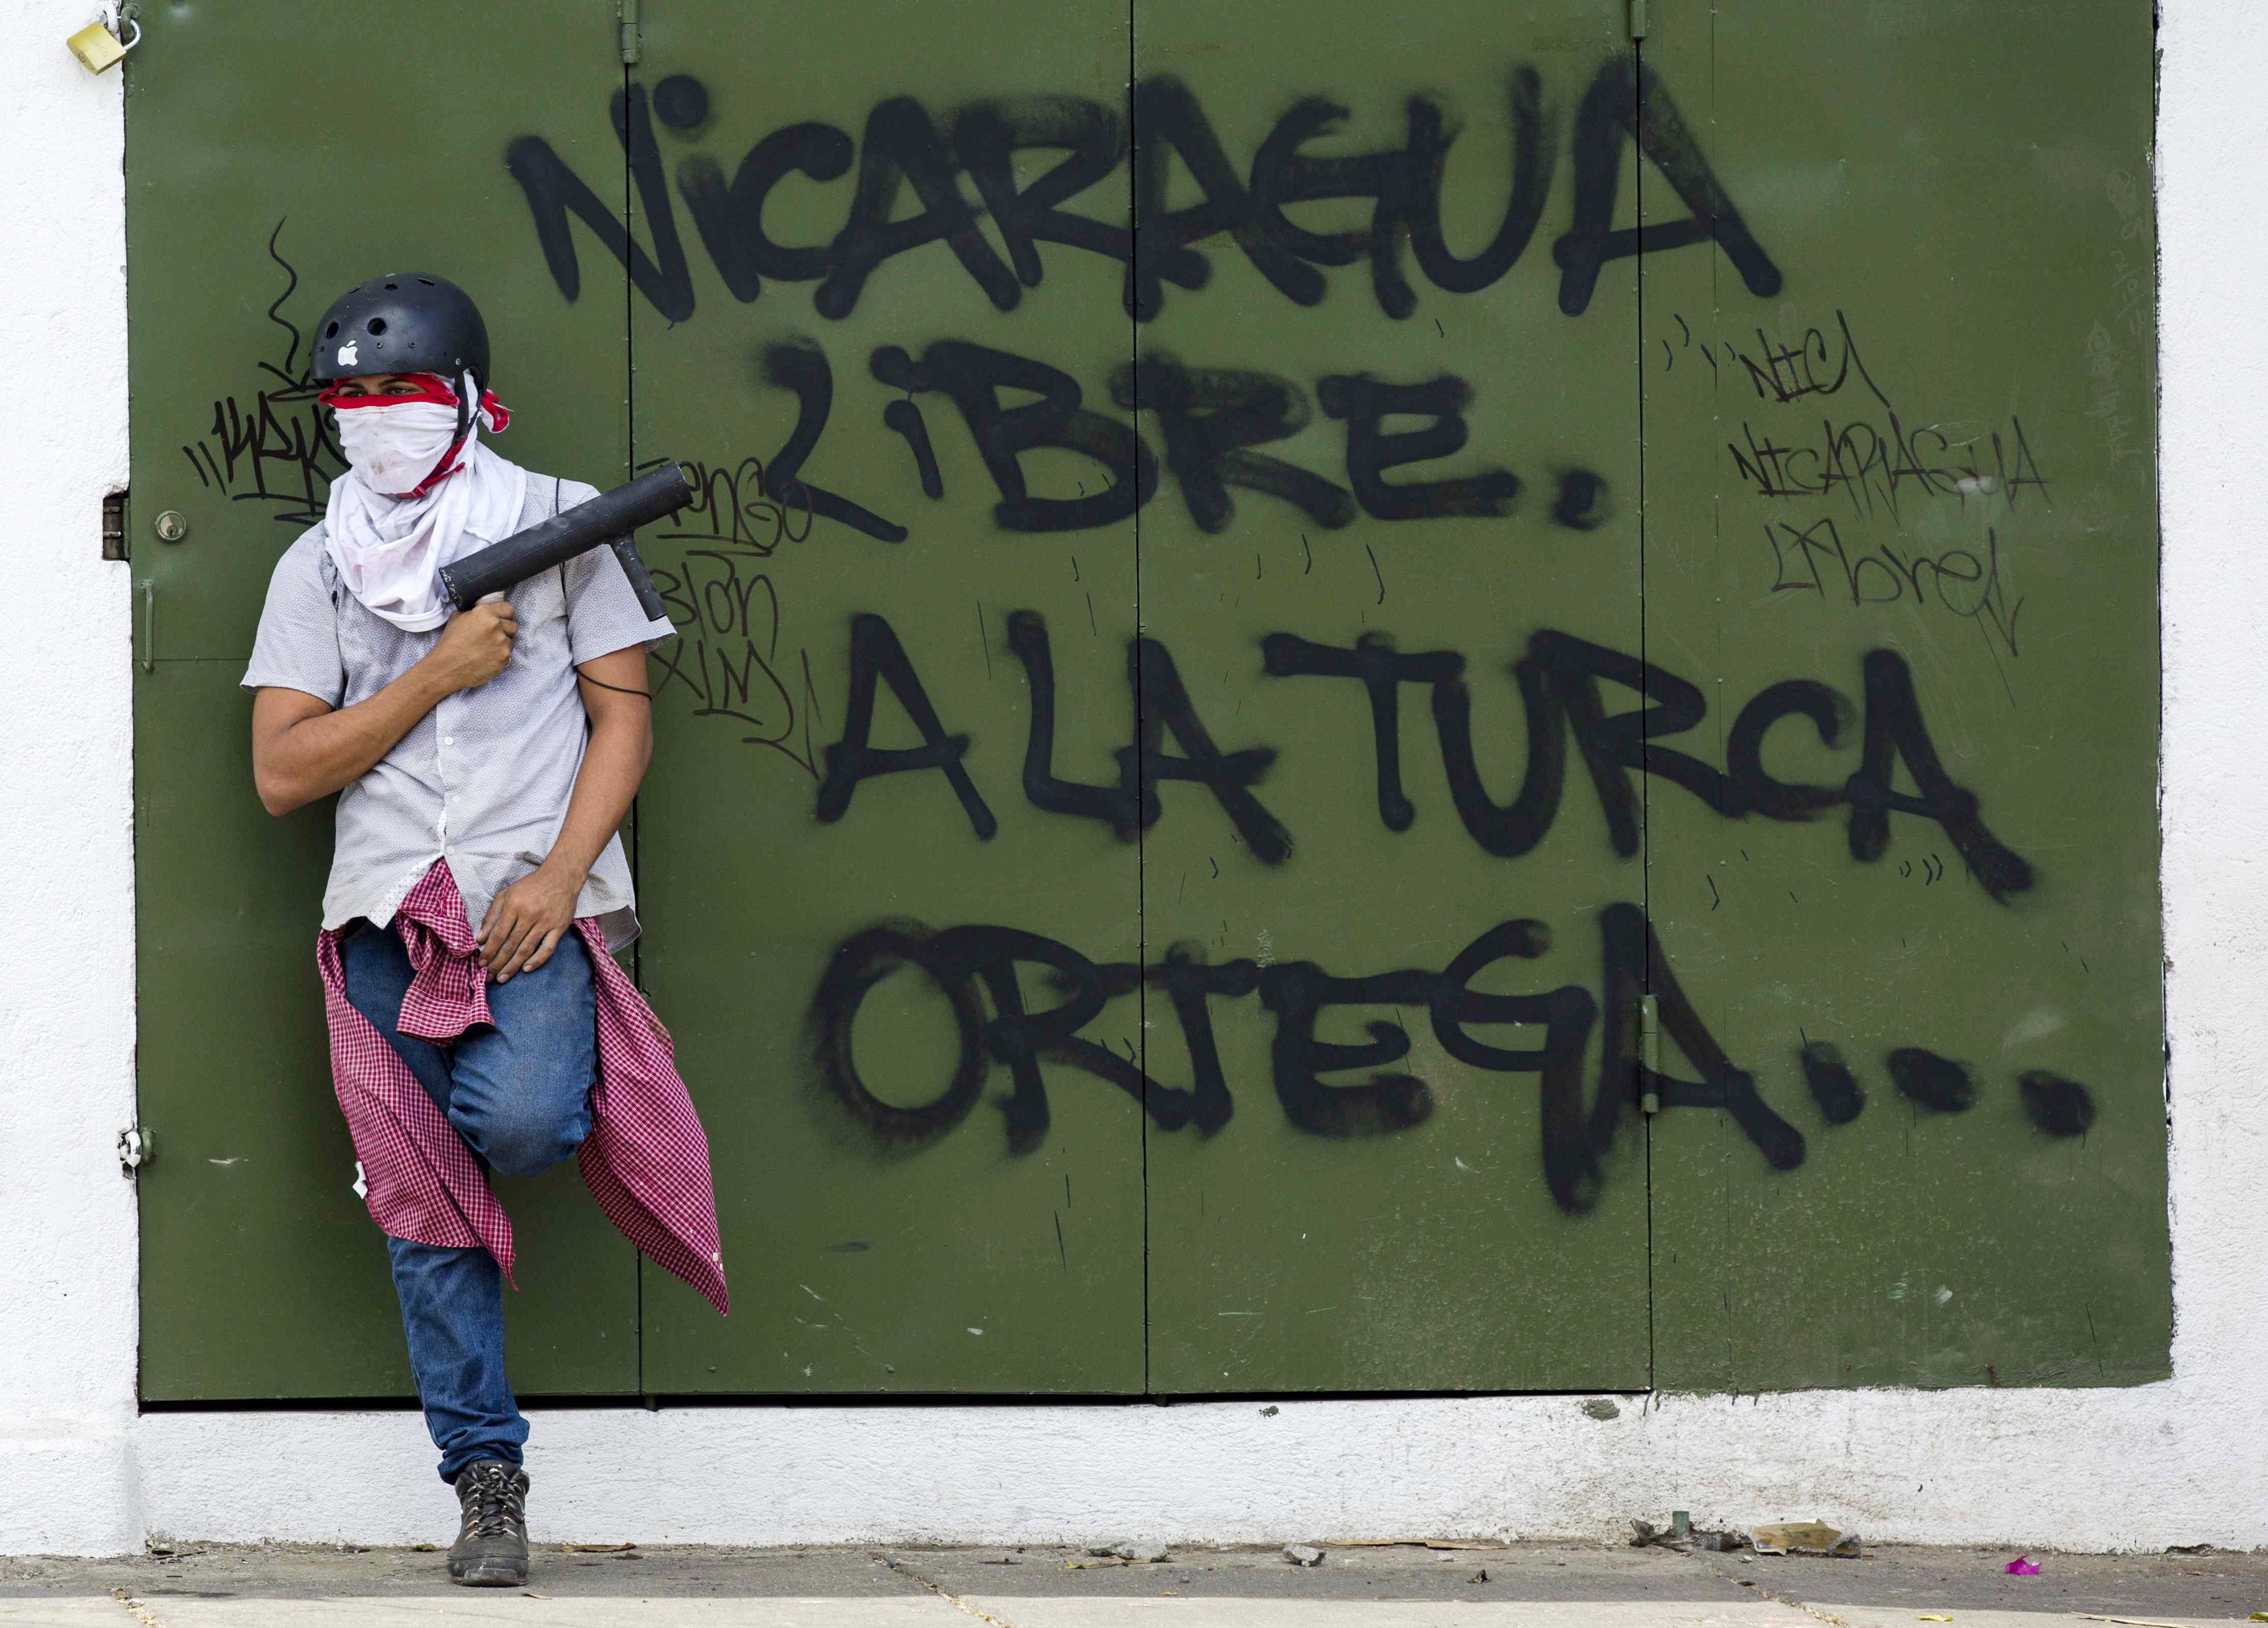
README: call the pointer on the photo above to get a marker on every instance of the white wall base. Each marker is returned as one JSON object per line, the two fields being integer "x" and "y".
{"x": 67, "y": 1491}
{"x": 2177, "y": 1463}
{"x": 2099, "y": 1470}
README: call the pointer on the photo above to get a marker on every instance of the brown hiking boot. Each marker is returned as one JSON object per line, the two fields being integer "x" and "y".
{"x": 491, "y": 1547}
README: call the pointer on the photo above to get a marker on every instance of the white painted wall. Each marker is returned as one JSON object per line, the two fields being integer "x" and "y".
{"x": 2175, "y": 1463}
{"x": 67, "y": 1246}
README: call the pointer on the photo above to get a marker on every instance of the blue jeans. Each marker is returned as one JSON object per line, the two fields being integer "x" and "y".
{"x": 518, "y": 1093}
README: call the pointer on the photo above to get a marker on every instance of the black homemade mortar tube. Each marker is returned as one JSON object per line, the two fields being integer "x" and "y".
{"x": 609, "y": 518}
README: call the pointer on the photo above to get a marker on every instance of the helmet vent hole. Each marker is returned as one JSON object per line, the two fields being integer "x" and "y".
{"x": 393, "y": 285}
{"x": 332, "y": 332}
{"x": 429, "y": 283}
{"x": 377, "y": 325}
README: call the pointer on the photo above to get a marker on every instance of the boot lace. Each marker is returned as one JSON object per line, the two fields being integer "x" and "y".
{"x": 493, "y": 1509}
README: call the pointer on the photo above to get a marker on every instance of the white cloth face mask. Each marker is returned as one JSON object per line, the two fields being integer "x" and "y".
{"x": 389, "y": 549}
{"x": 393, "y": 448}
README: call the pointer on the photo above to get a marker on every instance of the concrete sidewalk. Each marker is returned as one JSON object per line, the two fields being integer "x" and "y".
{"x": 1409, "y": 1585}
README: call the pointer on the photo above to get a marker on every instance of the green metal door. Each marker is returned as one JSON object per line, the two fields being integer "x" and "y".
{"x": 277, "y": 156}
{"x": 824, "y": 914}
{"x": 1421, "y": 1209}
{"x": 1901, "y": 543}
{"x": 1356, "y": 788}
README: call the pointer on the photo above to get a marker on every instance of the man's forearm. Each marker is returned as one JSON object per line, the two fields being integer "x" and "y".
{"x": 320, "y": 755}
{"x": 528, "y": 919}
{"x": 614, "y": 762}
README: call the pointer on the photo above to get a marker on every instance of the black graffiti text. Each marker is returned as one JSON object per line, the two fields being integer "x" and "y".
{"x": 1871, "y": 458}
{"x": 1561, "y": 681}
{"x": 733, "y": 506}
{"x": 726, "y": 657}
{"x": 1210, "y": 420}
{"x": 976, "y": 967}
{"x": 276, "y": 449}
{"x": 907, "y": 147}
{"x": 1815, "y": 559}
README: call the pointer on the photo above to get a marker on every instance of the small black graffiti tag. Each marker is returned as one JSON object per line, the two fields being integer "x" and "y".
{"x": 726, "y": 659}
{"x": 273, "y": 447}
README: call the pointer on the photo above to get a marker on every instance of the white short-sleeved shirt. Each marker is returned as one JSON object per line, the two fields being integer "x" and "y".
{"x": 483, "y": 780}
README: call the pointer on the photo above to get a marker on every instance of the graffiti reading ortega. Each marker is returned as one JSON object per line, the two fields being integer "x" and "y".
{"x": 1560, "y": 681}
{"x": 903, "y": 146}
{"x": 966, "y": 965}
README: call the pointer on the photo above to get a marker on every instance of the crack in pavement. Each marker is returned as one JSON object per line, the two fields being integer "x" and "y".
{"x": 1805, "y": 1606}
{"x": 944, "y": 1594}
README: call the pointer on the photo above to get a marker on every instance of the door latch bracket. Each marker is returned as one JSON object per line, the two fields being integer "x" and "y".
{"x": 114, "y": 525}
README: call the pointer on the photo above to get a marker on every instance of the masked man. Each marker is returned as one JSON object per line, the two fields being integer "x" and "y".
{"x": 483, "y": 761}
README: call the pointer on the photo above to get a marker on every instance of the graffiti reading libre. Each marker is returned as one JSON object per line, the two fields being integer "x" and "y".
{"x": 1823, "y": 443}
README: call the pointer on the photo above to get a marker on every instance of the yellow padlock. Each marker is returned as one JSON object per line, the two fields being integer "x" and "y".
{"x": 98, "y": 49}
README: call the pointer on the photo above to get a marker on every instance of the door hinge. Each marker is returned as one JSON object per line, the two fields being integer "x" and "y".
{"x": 134, "y": 1149}
{"x": 1637, "y": 19}
{"x": 1649, "y": 1052}
{"x": 114, "y": 525}
{"x": 630, "y": 16}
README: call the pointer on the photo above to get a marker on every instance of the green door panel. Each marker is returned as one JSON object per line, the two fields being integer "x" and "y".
{"x": 894, "y": 1224}
{"x": 1346, "y": 1230}
{"x": 1925, "y": 460}
{"x": 262, "y": 1275}
{"x": 273, "y": 161}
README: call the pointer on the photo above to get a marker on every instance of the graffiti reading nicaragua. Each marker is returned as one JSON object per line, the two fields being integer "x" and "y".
{"x": 902, "y": 146}
{"x": 1826, "y": 444}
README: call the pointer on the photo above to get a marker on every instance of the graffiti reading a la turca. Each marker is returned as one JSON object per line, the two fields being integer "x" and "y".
{"x": 1211, "y": 425}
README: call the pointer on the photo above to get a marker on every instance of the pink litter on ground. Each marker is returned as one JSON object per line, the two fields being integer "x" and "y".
{"x": 2022, "y": 1566}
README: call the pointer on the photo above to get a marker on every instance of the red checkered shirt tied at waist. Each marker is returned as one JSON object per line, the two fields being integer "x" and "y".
{"x": 646, "y": 1160}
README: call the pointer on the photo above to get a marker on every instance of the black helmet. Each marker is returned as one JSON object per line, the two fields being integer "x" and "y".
{"x": 406, "y": 323}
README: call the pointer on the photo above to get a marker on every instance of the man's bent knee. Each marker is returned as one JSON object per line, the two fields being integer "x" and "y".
{"x": 521, "y": 1144}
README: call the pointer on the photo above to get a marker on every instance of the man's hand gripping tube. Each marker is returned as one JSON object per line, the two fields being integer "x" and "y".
{"x": 609, "y": 518}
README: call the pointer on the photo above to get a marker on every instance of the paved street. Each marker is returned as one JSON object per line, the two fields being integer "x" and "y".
{"x": 1407, "y": 1586}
